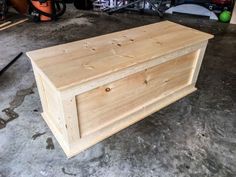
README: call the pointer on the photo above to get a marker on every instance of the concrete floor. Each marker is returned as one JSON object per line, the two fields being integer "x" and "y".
{"x": 193, "y": 137}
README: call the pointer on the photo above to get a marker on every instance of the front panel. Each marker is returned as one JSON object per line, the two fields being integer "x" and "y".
{"x": 103, "y": 106}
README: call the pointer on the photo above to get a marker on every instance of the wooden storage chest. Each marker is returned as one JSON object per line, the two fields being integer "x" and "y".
{"x": 93, "y": 88}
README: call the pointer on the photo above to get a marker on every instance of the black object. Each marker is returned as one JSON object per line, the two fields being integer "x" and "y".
{"x": 58, "y": 9}
{"x": 9, "y": 64}
{"x": 83, "y": 4}
{"x": 157, "y": 6}
{"x": 69, "y": 1}
{"x": 3, "y": 9}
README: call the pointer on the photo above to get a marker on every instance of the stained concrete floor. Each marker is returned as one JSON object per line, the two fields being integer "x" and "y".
{"x": 193, "y": 137}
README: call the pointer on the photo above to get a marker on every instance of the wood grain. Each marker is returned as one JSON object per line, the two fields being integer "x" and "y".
{"x": 155, "y": 105}
{"x": 122, "y": 97}
{"x": 81, "y": 64}
{"x": 93, "y": 88}
{"x": 5, "y": 24}
{"x": 13, "y": 24}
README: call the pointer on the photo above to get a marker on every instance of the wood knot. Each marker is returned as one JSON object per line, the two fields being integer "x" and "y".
{"x": 89, "y": 67}
{"x": 167, "y": 80}
{"x": 108, "y": 89}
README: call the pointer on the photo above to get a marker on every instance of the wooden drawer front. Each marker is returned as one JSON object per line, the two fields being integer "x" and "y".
{"x": 103, "y": 106}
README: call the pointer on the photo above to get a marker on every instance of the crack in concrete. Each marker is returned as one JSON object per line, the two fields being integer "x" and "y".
{"x": 67, "y": 173}
{"x": 36, "y": 135}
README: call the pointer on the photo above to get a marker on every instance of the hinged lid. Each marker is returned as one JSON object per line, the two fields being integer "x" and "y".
{"x": 77, "y": 62}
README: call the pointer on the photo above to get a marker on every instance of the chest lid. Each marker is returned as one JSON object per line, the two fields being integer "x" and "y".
{"x": 76, "y": 63}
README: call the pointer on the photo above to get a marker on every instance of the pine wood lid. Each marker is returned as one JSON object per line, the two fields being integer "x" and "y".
{"x": 77, "y": 62}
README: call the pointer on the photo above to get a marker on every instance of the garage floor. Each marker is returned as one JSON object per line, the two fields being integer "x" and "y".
{"x": 195, "y": 136}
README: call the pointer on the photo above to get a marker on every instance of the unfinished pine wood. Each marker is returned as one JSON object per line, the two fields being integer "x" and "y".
{"x": 93, "y": 88}
{"x": 233, "y": 18}
{"x": 5, "y": 24}
{"x": 13, "y": 24}
{"x": 122, "y": 97}
{"x": 118, "y": 53}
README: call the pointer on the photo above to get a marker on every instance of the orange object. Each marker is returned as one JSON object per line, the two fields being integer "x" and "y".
{"x": 44, "y": 7}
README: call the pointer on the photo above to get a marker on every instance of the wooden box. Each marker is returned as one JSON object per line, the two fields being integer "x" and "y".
{"x": 93, "y": 88}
